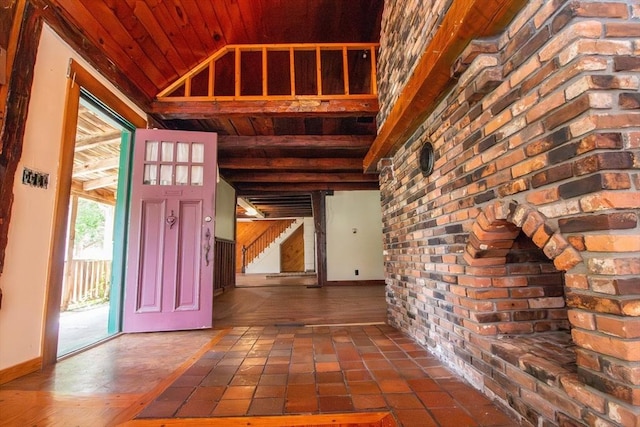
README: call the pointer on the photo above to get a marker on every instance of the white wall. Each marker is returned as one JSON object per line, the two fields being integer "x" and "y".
{"x": 23, "y": 281}
{"x": 348, "y": 251}
{"x": 225, "y": 211}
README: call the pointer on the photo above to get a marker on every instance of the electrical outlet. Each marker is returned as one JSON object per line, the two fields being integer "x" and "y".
{"x": 357, "y": 272}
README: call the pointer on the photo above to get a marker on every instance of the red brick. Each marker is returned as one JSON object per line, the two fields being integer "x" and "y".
{"x": 512, "y": 304}
{"x": 474, "y": 281}
{"x": 621, "y": 349}
{"x": 555, "y": 245}
{"x": 602, "y": 10}
{"x": 515, "y": 328}
{"x": 614, "y": 266}
{"x": 577, "y": 242}
{"x": 577, "y": 281}
{"x": 612, "y": 221}
{"x": 528, "y": 166}
{"x": 582, "y": 319}
{"x": 487, "y": 293}
{"x": 610, "y": 200}
{"x": 612, "y": 243}
{"x": 478, "y": 328}
{"x": 582, "y": 393}
{"x": 601, "y": 304}
{"x": 588, "y": 359}
{"x": 528, "y": 292}
{"x": 509, "y": 282}
{"x": 625, "y": 415}
{"x": 615, "y": 285}
{"x": 622, "y": 327}
{"x": 543, "y": 196}
{"x": 568, "y": 259}
{"x": 600, "y": 141}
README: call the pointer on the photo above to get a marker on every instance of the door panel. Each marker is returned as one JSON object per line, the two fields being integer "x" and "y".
{"x": 151, "y": 258}
{"x": 170, "y": 275}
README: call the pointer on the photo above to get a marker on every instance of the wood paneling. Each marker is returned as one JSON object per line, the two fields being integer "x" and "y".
{"x": 224, "y": 264}
{"x": 292, "y": 252}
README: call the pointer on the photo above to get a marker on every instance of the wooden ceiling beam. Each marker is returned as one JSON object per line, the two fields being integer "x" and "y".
{"x": 96, "y": 166}
{"x": 94, "y": 184}
{"x": 431, "y": 80}
{"x": 228, "y": 142}
{"x": 252, "y": 188}
{"x": 290, "y": 163}
{"x": 198, "y": 110}
{"x": 299, "y": 177}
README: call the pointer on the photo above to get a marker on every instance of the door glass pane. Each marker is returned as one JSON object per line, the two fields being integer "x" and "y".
{"x": 182, "y": 175}
{"x": 197, "y": 153}
{"x": 150, "y": 175}
{"x": 182, "y": 152}
{"x": 165, "y": 174}
{"x": 197, "y": 175}
{"x": 151, "y": 151}
{"x": 167, "y": 151}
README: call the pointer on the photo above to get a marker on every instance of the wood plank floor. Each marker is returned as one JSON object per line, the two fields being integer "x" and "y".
{"x": 289, "y": 305}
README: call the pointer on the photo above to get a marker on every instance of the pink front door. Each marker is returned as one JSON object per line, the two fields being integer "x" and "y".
{"x": 169, "y": 283}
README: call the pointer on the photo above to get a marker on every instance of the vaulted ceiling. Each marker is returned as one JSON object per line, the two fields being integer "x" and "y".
{"x": 267, "y": 148}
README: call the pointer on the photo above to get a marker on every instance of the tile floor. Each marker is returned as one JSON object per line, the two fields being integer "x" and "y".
{"x": 269, "y": 370}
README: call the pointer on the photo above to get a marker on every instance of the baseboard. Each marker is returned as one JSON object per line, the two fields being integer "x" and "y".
{"x": 20, "y": 370}
{"x": 355, "y": 283}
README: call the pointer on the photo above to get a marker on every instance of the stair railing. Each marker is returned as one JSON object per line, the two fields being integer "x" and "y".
{"x": 262, "y": 242}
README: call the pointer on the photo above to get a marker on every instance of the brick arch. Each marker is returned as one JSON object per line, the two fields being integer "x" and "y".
{"x": 514, "y": 274}
{"x": 495, "y": 229}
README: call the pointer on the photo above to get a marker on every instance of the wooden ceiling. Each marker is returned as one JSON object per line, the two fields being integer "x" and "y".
{"x": 265, "y": 148}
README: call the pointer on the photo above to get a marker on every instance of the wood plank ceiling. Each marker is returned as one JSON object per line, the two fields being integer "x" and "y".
{"x": 266, "y": 151}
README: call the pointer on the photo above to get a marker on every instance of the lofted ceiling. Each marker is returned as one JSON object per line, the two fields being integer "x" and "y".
{"x": 267, "y": 150}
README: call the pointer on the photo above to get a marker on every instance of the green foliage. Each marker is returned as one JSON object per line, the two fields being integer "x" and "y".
{"x": 90, "y": 224}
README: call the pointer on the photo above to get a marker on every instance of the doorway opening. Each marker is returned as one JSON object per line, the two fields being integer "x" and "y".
{"x": 88, "y": 313}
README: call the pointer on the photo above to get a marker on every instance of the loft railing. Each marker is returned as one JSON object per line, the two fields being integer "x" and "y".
{"x": 259, "y": 72}
{"x": 262, "y": 242}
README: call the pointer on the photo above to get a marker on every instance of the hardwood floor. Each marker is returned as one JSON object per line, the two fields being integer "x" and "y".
{"x": 299, "y": 305}
{"x": 105, "y": 385}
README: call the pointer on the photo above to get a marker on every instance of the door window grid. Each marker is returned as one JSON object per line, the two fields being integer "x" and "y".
{"x": 160, "y": 168}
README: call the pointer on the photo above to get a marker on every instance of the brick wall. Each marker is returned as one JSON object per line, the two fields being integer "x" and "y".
{"x": 407, "y": 27}
{"x": 538, "y": 144}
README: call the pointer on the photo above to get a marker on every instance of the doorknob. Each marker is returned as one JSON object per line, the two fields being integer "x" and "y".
{"x": 171, "y": 220}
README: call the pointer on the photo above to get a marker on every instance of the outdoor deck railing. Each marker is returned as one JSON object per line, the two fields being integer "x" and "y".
{"x": 85, "y": 280}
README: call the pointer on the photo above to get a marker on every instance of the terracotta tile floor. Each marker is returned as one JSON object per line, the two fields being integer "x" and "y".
{"x": 269, "y": 370}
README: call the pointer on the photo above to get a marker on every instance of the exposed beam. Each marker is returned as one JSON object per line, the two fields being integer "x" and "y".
{"x": 198, "y": 110}
{"x": 465, "y": 21}
{"x": 226, "y": 142}
{"x": 94, "y": 184}
{"x": 286, "y": 163}
{"x": 96, "y": 166}
{"x": 97, "y": 141}
{"x": 299, "y": 177}
{"x": 244, "y": 189}
{"x": 99, "y": 195}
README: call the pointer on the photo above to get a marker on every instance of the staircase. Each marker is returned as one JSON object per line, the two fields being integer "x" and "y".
{"x": 273, "y": 235}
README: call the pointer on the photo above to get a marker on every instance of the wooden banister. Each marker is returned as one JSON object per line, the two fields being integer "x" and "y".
{"x": 182, "y": 89}
{"x": 262, "y": 242}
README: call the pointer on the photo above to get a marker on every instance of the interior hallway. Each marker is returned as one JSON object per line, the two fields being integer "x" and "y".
{"x": 270, "y": 365}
